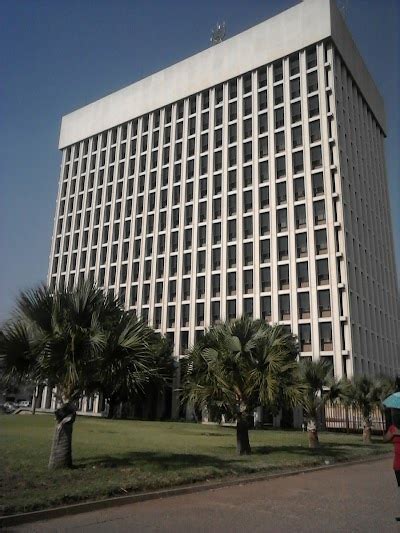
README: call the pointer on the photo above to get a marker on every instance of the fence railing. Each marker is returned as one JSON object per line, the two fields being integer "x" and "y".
{"x": 337, "y": 416}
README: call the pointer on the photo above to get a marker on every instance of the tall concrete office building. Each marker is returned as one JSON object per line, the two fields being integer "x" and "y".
{"x": 247, "y": 179}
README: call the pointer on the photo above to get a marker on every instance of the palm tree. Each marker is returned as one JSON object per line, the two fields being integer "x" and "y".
{"x": 238, "y": 366}
{"x": 134, "y": 358}
{"x": 60, "y": 338}
{"x": 315, "y": 375}
{"x": 363, "y": 394}
{"x": 385, "y": 387}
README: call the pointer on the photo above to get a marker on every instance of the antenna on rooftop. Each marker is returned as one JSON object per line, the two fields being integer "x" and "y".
{"x": 218, "y": 34}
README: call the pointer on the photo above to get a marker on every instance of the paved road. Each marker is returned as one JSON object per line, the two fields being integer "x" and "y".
{"x": 358, "y": 498}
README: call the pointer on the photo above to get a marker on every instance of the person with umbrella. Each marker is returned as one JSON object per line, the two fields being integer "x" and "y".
{"x": 392, "y": 402}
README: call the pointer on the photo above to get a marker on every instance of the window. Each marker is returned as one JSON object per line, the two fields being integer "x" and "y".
{"x": 217, "y": 183}
{"x": 265, "y": 279}
{"x": 247, "y": 175}
{"x": 301, "y": 245}
{"x": 205, "y": 100}
{"x": 201, "y": 287}
{"x": 219, "y": 94}
{"x": 284, "y": 307}
{"x": 231, "y": 283}
{"x": 321, "y": 245}
{"x": 188, "y": 239}
{"x": 283, "y": 277}
{"x": 325, "y": 336}
{"x": 265, "y": 253}
{"x": 247, "y": 83}
{"x": 262, "y": 100}
{"x": 262, "y": 77}
{"x": 312, "y": 82}
{"x": 231, "y": 204}
{"x": 172, "y": 291}
{"x": 248, "y": 253}
{"x": 247, "y": 152}
{"x": 322, "y": 272}
{"x": 232, "y": 133}
{"x": 318, "y": 184}
{"x": 315, "y": 131}
{"x": 218, "y": 116}
{"x": 173, "y": 265}
{"x": 264, "y": 224}
{"x": 294, "y": 65}
{"x": 247, "y": 106}
{"x": 305, "y": 337}
{"x": 280, "y": 164}
{"x": 294, "y": 88}
{"x": 319, "y": 212}
{"x": 295, "y": 110}
{"x": 299, "y": 190}
{"x": 311, "y": 57}
{"x": 302, "y": 274}
{"x": 266, "y": 307}
{"x": 279, "y": 118}
{"x": 232, "y": 111}
{"x": 281, "y": 192}
{"x": 248, "y": 306}
{"x": 281, "y": 220}
{"x": 247, "y": 227}
{"x": 218, "y": 138}
{"x": 216, "y": 284}
{"x": 201, "y": 261}
{"x": 263, "y": 174}
{"x": 279, "y": 141}
{"x": 264, "y": 197}
{"x": 248, "y": 281}
{"x": 247, "y": 201}
{"x": 215, "y": 311}
{"x": 232, "y": 180}
{"x": 297, "y": 137}
{"x": 283, "y": 251}
{"x": 203, "y": 187}
{"x": 231, "y": 309}
{"x": 316, "y": 157}
{"x": 231, "y": 156}
{"x": 298, "y": 162}
{"x": 217, "y": 208}
{"x": 278, "y": 71}
{"x": 304, "y": 305}
{"x": 200, "y": 314}
{"x": 231, "y": 256}
{"x": 313, "y": 106}
{"x": 324, "y": 304}
{"x": 263, "y": 123}
{"x": 278, "y": 94}
{"x": 263, "y": 147}
{"x": 232, "y": 89}
{"x": 216, "y": 231}
{"x": 231, "y": 230}
{"x": 202, "y": 236}
{"x": 216, "y": 258}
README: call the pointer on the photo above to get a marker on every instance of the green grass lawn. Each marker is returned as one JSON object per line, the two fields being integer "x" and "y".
{"x": 115, "y": 457}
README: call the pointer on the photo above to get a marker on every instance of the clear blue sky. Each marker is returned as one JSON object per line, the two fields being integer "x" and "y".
{"x": 58, "y": 55}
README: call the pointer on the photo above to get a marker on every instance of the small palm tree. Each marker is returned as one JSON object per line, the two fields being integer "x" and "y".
{"x": 133, "y": 359}
{"x": 363, "y": 393}
{"x": 315, "y": 376}
{"x": 238, "y": 366}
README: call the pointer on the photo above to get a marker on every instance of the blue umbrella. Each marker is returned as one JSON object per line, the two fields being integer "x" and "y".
{"x": 392, "y": 401}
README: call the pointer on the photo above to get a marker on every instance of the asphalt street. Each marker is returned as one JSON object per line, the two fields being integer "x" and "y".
{"x": 357, "y": 498}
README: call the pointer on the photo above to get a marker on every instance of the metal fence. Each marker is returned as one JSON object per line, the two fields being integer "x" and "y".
{"x": 339, "y": 417}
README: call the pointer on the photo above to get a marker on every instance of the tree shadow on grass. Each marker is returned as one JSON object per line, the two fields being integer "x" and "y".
{"x": 163, "y": 461}
{"x": 326, "y": 450}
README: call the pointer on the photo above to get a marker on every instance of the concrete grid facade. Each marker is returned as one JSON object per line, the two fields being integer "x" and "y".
{"x": 262, "y": 194}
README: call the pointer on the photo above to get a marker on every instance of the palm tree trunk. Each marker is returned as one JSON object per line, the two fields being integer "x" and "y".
{"x": 61, "y": 451}
{"x": 367, "y": 431}
{"x": 312, "y": 431}
{"x": 242, "y": 435}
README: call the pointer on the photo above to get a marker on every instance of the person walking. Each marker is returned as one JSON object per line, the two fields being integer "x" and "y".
{"x": 393, "y": 435}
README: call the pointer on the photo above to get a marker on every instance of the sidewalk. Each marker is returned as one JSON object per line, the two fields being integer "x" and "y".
{"x": 355, "y": 498}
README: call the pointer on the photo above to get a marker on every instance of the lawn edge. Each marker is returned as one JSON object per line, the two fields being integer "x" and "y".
{"x": 87, "y": 507}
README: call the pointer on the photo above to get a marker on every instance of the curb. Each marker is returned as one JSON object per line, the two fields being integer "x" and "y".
{"x": 86, "y": 507}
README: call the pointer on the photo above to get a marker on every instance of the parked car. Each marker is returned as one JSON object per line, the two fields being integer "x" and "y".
{"x": 24, "y": 403}
{"x": 9, "y": 407}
